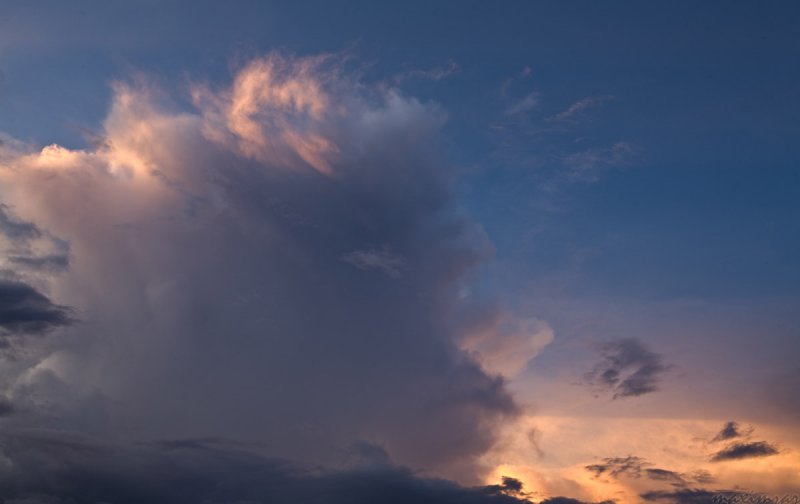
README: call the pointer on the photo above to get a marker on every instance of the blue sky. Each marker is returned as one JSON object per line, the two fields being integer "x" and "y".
{"x": 631, "y": 166}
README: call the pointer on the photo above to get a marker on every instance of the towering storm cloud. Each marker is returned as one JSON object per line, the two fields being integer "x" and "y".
{"x": 278, "y": 265}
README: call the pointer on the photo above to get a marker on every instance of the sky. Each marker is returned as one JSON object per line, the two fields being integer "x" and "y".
{"x": 482, "y": 252}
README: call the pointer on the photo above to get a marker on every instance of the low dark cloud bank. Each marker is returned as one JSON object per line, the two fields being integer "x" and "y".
{"x": 52, "y": 467}
{"x": 628, "y": 369}
{"x": 701, "y": 496}
{"x": 569, "y": 500}
{"x": 49, "y": 468}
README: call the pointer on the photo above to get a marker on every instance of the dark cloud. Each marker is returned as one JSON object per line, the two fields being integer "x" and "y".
{"x": 16, "y": 229}
{"x": 509, "y": 486}
{"x": 568, "y": 500}
{"x": 51, "y": 262}
{"x": 381, "y": 260}
{"x": 637, "y": 467}
{"x": 618, "y": 466}
{"x": 367, "y": 453}
{"x": 628, "y": 369}
{"x": 702, "y": 476}
{"x": 24, "y": 310}
{"x": 20, "y": 234}
{"x": 668, "y": 476}
{"x": 688, "y": 496}
{"x": 703, "y": 496}
{"x": 6, "y": 407}
{"x": 729, "y": 431}
{"x": 562, "y": 500}
{"x": 739, "y": 451}
{"x": 54, "y": 468}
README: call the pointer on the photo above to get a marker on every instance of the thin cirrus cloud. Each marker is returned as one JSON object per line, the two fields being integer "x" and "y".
{"x": 525, "y": 105}
{"x": 574, "y": 111}
{"x": 223, "y": 263}
{"x": 589, "y": 165}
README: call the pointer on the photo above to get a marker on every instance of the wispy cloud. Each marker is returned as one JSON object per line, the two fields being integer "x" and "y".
{"x": 436, "y": 73}
{"x": 637, "y": 468}
{"x": 525, "y": 105}
{"x": 377, "y": 259}
{"x": 574, "y": 111}
{"x": 588, "y": 165}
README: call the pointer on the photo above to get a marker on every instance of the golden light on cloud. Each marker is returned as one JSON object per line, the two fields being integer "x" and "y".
{"x": 602, "y": 458}
{"x": 276, "y": 111}
{"x": 506, "y": 343}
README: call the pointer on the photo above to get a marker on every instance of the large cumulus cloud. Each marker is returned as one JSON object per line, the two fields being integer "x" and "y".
{"x": 279, "y": 263}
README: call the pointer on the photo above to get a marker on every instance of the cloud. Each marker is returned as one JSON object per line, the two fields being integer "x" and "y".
{"x": 704, "y": 496}
{"x": 576, "y": 109}
{"x": 434, "y": 74}
{"x": 29, "y": 247}
{"x": 508, "y": 486}
{"x": 638, "y": 467}
{"x": 587, "y": 166}
{"x": 381, "y": 260}
{"x": 276, "y": 111}
{"x": 729, "y": 431}
{"x": 525, "y": 105}
{"x": 46, "y": 468}
{"x": 738, "y": 451}
{"x": 692, "y": 496}
{"x": 212, "y": 253}
{"x": 616, "y": 466}
{"x": 568, "y": 500}
{"x": 665, "y": 475}
{"x": 634, "y": 467}
{"x": 50, "y": 262}
{"x": 26, "y": 311}
{"x": 15, "y": 229}
{"x": 628, "y": 369}
{"x": 6, "y": 407}
{"x": 503, "y": 342}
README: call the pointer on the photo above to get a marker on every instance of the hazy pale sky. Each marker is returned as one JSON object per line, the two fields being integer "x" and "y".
{"x": 415, "y": 252}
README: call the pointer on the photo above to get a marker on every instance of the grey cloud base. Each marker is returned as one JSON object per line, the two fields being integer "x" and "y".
{"x": 47, "y": 468}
